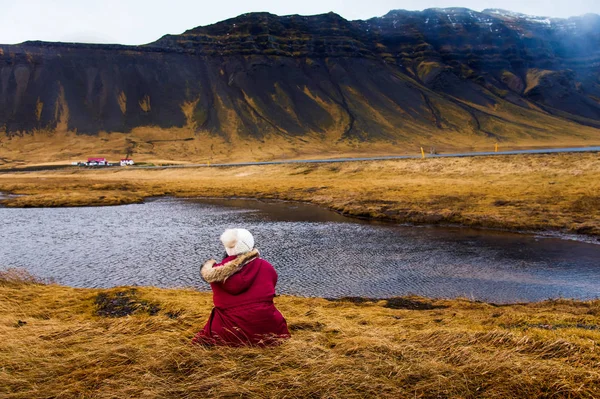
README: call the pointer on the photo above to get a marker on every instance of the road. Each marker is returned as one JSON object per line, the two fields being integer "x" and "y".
{"x": 334, "y": 160}
{"x": 383, "y": 158}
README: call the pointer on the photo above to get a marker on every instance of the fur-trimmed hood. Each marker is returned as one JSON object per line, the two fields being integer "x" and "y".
{"x": 220, "y": 274}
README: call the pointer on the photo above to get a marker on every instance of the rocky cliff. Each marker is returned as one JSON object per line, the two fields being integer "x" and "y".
{"x": 432, "y": 73}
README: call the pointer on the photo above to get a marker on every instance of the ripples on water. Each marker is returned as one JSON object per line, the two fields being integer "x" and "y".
{"x": 316, "y": 252}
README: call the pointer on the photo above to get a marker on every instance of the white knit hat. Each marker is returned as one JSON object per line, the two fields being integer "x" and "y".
{"x": 237, "y": 241}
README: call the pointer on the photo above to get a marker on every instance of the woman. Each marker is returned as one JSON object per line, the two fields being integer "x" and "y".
{"x": 243, "y": 288}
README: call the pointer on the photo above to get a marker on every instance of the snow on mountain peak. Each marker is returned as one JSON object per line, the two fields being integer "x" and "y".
{"x": 516, "y": 15}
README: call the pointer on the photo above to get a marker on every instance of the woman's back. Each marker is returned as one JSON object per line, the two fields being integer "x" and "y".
{"x": 243, "y": 289}
{"x": 255, "y": 282}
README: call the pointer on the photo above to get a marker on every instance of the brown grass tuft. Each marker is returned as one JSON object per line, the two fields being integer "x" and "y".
{"x": 17, "y": 276}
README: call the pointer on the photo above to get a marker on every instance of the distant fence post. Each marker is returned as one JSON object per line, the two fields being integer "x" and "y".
{"x": 422, "y": 153}
{"x": 496, "y": 147}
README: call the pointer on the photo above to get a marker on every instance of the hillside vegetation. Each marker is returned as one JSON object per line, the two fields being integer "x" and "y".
{"x": 61, "y": 342}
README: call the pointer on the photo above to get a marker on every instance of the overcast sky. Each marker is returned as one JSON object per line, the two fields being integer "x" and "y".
{"x": 144, "y": 21}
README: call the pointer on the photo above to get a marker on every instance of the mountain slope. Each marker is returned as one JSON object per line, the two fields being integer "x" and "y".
{"x": 436, "y": 77}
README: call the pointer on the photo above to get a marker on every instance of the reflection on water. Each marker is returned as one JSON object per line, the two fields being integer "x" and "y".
{"x": 316, "y": 252}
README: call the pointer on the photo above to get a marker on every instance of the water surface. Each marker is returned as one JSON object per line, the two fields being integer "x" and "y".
{"x": 316, "y": 252}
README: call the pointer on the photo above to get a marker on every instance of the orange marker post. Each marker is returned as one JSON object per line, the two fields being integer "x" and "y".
{"x": 422, "y": 153}
{"x": 496, "y": 147}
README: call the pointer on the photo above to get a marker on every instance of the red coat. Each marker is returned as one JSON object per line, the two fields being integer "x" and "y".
{"x": 244, "y": 314}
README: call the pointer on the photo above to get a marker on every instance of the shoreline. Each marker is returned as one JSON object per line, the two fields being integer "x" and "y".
{"x": 556, "y": 193}
{"x": 480, "y": 258}
{"x": 542, "y": 232}
{"x": 19, "y": 276}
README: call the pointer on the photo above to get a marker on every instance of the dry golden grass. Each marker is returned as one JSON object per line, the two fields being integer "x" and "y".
{"x": 525, "y": 192}
{"x": 61, "y": 342}
{"x": 511, "y": 126}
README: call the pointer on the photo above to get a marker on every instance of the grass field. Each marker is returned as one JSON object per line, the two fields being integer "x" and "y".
{"x": 525, "y": 192}
{"x": 61, "y": 342}
{"x": 507, "y": 125}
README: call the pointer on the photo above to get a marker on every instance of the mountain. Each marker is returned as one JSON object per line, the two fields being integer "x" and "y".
{"x": 438, "y": 76}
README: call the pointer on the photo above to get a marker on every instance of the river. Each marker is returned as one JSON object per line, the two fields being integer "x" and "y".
{"x": 316, "y": 252}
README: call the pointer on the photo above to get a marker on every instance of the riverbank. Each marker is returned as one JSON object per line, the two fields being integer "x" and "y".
{"x": 134, "y": 342}
{"x": 558, "y": 192}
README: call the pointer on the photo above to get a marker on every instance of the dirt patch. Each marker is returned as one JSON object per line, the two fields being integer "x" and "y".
{"x": 392, "y": 303}
{"x": 357, "y": 300}
{"x": 502, "y": 202}
{"x": 411, "y": 304}
{"x": 174, "y": 314}
{"x": 586, "y": 204}
{"x": 123, "y": 303}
